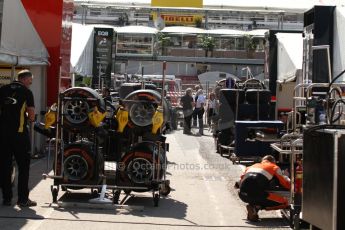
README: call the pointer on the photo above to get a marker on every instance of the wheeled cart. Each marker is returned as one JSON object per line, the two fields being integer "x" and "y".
{"x": 78, "y": 159}
{"x": 253, "y": 139}
{"x": 290, "y": 153}
{"x": 87, "y": 142}
{"x": 142, "y": 169}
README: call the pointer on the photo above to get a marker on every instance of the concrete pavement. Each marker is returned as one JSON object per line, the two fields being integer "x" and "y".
{"x": 202, "y": 196}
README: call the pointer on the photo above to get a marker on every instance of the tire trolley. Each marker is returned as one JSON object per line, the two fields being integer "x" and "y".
{"x": 87, "y": 142}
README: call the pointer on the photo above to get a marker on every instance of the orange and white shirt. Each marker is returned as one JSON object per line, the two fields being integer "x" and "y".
{"x": 269, "y": 170}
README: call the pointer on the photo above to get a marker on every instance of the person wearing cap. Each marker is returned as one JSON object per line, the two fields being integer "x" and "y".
{"x": 16, "y": 109}
{"x": 255, "y": 185}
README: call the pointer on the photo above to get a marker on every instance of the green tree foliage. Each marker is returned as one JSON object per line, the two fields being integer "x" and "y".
{"x": 163, "y": 41}
{"x": 207, "y": 43}
{"x": 198, "y": 22}
{"x": 250, "y": 42}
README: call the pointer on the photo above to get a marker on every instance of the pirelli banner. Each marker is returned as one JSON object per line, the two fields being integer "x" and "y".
{"x": 177, "y": 18}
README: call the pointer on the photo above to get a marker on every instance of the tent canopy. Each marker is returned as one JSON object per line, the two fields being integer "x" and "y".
{"x": 182, "y": 30}
{"x": 136, "y": 30}
{"x": 20, "y": 43}
{"x": 290, "y": 55}
{"x": 82, "y": 48}
{"x": 339, "y": 43}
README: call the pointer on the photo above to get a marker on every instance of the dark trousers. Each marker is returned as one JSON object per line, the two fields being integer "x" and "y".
{"x": 16, "y": 146}
{"x": 200, "y": 113}
{"x": 195, "y": 117}
{"x": 261, "y": 200}
{"x": 253, "y": 191}
{"x": 187, "y": 116}
{"x": 210, "y": 114}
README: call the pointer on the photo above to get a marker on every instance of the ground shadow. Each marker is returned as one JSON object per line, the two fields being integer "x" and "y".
{"x": 15, "y": 218}
{"x": 167, "y": 207}
{"x": 271, "y": 222}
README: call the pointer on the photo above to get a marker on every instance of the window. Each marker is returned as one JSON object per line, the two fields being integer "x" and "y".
{"x": 95, "y": 12}
{"x": 134, "y": 44}
{"x": 239, "y": 44}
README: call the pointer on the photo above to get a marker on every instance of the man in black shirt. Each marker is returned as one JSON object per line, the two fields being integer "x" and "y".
{"x": 16, "y": 108}
{"x": 195, "y": 111}
{"x": 187, "y": 107}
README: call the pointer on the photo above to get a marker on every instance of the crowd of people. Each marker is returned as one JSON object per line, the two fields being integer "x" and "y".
{"x": 194, "y": 105}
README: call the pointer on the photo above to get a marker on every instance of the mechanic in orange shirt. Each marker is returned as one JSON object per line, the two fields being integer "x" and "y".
{"x": 255, "y": 183}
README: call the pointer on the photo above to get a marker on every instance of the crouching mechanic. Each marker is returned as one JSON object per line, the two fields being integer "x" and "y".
{"x": 255, "y": 183}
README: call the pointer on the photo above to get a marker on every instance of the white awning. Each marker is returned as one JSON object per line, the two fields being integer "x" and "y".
{"x": 257, "y": 33}
{"x": 136, "y": 30}
{"x": 290, "y": 55}
{"x": 339, "y": 43}
{"x": 20, "y": 43}
{"x": 82, "y": 48}
{"x": 226, "y": 32}
{"x": 182, "y": 30}
{"x": 267, "y": 5}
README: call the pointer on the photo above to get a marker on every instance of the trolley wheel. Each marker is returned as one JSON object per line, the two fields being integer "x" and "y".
{"x": 75, "y": 111}
{"x": 116, "y": 196}
{"x": 165, "y": 190}
{"x": 234, "y": 158}
{"x": 55, "y": 192}
{"x": 156, "y": 199}
{"x": 142, "y": 104}
{"x": 138, "y": 163}
{"x": 94, "y": 193}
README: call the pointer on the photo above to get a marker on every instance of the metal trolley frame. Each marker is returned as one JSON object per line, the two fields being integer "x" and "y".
{"x": 106, "y": 177}
{"x": 290, "y": 150}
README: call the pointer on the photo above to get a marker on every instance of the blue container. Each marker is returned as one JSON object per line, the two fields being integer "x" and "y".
{"x": 248, "y": 144}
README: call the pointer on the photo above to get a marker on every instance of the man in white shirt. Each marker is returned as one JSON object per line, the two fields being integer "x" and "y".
{"x": 199, "y": 109}
{"x": 195, "y": 98}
